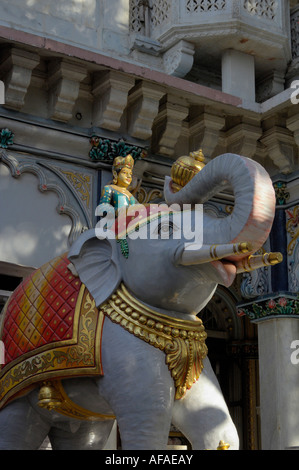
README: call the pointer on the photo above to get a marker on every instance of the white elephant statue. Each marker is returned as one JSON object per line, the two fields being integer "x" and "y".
{"x": 110, "y": 330}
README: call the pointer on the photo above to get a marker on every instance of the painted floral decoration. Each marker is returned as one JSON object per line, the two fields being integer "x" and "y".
{"x": 6, "y": 138}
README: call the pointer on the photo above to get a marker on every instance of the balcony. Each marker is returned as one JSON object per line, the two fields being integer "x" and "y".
{"x": 198, "y": 33}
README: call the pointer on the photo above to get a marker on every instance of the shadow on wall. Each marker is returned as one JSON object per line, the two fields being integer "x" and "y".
{"x": 31, "y": 231}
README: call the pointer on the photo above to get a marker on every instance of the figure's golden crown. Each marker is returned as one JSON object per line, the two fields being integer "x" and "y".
{"x": 184, "y": 168}
{"x": 123, "y": 162}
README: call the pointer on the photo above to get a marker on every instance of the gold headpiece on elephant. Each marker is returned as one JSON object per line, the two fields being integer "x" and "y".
{"x": 185, "y": 168}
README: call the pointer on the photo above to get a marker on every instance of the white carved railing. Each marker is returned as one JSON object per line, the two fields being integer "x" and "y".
{"x": 295, "y": 32}
{"x": 204, "y": 6}
{"x": 266, "y": 9}
{"x": 160, "y": 14}
{"x": 137, "y": 18}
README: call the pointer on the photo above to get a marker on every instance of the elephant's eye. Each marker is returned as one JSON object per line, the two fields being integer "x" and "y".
{"x": 165, "y": 229}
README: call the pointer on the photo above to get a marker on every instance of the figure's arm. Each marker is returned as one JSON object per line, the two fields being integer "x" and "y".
{"x": 106, "y": 196}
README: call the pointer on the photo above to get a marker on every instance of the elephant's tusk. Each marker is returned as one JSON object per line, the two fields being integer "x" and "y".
{"x": 196, "y": 254}
{"x": 258, "y": 261}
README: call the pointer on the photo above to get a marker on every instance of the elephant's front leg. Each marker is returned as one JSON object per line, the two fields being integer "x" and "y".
{"x": 139, "y": 388}
{"x": 202, "y": 415}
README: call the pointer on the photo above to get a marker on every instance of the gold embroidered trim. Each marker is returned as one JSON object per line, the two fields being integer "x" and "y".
{"x": 182, "y": 341}
{"x": 75, "y": 357}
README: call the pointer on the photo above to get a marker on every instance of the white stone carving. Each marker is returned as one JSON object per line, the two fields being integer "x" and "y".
{"x": 160, "y": 12}
{"x": 110, "y": 92}
{"x": 295, "y": 32}
{"x": 64, "y": 84}
{"x": 168, "y": 125}
{"x": 16, "y": 71}
{"x": 178, "y": 60}
{"x": 204, "y": 132}
{"x": 143, "y": 105}
{"x": 263, "y": 8}
{"x": 279, "y": 143}
{"x": 136, "y": 19}
{"x": 205, "y": 5}
{"x": 243, "y": 138}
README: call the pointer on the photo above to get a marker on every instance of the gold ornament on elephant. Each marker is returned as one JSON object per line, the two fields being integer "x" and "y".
{"x": 182, "y": 341}
{"x": 184, "y": 168}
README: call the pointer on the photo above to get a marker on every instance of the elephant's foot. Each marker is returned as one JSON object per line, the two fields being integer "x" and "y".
{"x": 202, "y": 415}
{"x": 88, "y": 436}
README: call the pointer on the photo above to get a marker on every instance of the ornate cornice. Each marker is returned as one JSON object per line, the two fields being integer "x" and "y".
{"x": 275, "y": 306}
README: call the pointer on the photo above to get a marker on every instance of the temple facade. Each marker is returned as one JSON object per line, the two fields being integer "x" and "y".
{"x": 83, "y": 81}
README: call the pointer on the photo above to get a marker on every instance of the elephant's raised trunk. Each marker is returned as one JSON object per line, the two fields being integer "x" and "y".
{"x": 254, "y": 208}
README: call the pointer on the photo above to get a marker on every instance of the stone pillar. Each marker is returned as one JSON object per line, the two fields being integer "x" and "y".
{"x": 276, "y": 314}
{"x": 277, "y": 318}
{"x": 279, "y": 383}
{"x": 238, "y": 74}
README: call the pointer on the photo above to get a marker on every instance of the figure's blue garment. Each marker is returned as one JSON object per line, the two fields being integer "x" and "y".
{"x": 111, "y": 195}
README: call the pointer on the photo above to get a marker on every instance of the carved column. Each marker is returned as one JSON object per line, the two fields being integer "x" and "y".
{"x": 110, "y": 91}
{"x": 64, "y": 84}
{"x": 16, "y": 70}
{"x": 168, "y": 125}
{"x": 276, "y": 315}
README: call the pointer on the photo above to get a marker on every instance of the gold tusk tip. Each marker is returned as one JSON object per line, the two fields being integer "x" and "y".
{"x": 223, "y": 446}
{"x": 245, "y": 247}
{"x": 275, "y": 258}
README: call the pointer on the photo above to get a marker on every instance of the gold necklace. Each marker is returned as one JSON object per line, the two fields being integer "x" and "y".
{"x": 183, "y": 341}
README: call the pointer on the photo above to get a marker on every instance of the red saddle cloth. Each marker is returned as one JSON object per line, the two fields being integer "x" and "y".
{"x": 50, "y": 329}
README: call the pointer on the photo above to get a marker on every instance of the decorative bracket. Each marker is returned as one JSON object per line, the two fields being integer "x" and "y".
{"x": 178, "y": 60}
{"x": 168, "y": 125}
{"x": 143, "y": 104}
{"x": 16, "y": 70}
{"x": 111, "y": 94}
{"x": 204, "y": 132}
{"x": 64, "y": 84}
{"x": 280, "y": 147}
{"x": 243, "y": 138}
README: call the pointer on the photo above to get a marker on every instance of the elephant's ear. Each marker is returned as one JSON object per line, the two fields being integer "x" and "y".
{"x": 96, "y": 261}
